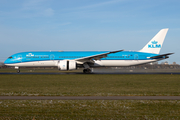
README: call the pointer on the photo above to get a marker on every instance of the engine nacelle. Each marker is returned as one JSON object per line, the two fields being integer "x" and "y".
{"x": 67, "y": 65}
{"x": 72, "y": 65}
{"x": 62, "y": 65}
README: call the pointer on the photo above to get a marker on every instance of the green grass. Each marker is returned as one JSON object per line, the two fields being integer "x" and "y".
{"x": 89, "y": 109}
{"x": 90, "y": 85}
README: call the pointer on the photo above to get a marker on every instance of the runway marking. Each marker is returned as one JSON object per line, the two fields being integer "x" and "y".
{"x": 89, "y": 97}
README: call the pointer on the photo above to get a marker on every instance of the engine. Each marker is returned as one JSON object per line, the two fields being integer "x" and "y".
{"x": 67, "y": 65}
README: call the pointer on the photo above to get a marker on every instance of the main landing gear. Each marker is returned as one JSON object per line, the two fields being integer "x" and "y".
{"x": 87, "y": 71}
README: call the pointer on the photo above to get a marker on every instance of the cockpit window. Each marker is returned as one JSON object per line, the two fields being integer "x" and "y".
{"x": 10, "y": 57}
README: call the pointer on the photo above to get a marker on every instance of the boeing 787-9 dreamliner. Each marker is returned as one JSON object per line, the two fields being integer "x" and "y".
{"x": 71, "y": 60}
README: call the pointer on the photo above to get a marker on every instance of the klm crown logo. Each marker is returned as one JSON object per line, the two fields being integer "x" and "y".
{"x": 30, "y": 54}
{"x": 154, "y": 44}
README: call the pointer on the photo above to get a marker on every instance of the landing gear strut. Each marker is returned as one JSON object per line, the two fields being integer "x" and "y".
{"x": 18, "y": 70}
{"x": 87, "y": 70}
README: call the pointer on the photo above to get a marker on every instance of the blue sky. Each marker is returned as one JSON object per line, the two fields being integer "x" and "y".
{"x": 37, "y": 25}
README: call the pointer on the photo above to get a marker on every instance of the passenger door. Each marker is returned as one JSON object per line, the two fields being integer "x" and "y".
{"x": 20, "y": 58}
{"x": 136, "y": 57}
{"x": 52, "y": 57}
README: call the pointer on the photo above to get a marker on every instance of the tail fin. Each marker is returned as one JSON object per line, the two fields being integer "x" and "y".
{"x": 155, "y": 44}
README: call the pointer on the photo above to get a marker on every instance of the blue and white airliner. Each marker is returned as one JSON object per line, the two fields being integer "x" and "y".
{"x": 71, "y": 60}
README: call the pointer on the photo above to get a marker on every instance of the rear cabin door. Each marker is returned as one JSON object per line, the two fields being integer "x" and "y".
{"x": 136, "y": 57}
{"x": 52, "y": 57}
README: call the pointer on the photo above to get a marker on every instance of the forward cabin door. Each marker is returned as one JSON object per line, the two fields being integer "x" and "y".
{"x": 20, "y": 58}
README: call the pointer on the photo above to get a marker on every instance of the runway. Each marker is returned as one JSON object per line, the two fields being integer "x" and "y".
{"x": 72, "y": 73}
{"x": 89, "y": 97}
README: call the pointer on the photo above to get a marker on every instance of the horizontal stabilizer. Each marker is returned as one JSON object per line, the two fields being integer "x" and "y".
{"x": 163, "y": 55}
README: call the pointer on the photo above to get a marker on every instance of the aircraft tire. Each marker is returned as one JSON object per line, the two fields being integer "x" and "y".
{"x": 86, "y": 71}
{"x": 18, "y": 71}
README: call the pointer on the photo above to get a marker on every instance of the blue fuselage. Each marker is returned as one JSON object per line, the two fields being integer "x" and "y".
{"x": 24, "y": 57}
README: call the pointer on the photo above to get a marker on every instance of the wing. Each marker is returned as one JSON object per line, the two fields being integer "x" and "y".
{"x": 162, "y": 56}
{"x": 96, "y": 57}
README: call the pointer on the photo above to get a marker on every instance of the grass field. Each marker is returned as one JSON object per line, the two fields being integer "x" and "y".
{"x": 89, "y": 85}
{"x": 89, "y": 109}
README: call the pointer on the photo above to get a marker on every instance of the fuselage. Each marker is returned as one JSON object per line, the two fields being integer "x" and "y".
{"x": 51, "y": 58}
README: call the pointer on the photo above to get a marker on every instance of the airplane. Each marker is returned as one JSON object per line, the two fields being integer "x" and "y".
{"x": 71, "y": 60}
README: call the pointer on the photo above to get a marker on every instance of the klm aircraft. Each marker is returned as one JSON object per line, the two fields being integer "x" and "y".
{"x": 71, "y": 60}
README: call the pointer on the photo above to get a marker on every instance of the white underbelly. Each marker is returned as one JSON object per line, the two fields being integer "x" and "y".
{"x": 116, "y": 63}
{"x": 98, "y": 63}
{"x": 35, "y": 64}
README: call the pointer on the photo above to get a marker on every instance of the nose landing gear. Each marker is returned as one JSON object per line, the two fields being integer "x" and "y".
{"x": 18, "y": 71}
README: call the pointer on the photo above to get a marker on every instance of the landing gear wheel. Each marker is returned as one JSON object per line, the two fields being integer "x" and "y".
{"x": 87, "y": 71}
{"x": 18, "y": 71}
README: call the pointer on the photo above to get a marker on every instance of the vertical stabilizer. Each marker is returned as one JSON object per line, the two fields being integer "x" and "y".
{"x": 155, "y": 44}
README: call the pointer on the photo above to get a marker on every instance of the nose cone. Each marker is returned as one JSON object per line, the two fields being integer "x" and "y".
{"x": 6, "y": 62}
